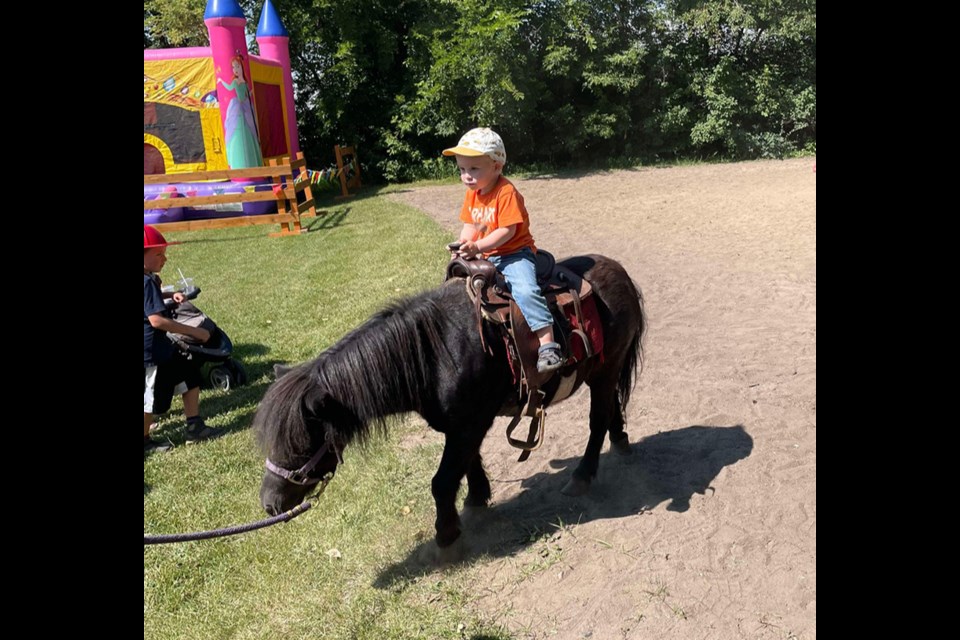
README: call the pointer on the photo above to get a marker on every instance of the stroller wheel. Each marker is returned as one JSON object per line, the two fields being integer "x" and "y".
{"x": 221, "y": 378}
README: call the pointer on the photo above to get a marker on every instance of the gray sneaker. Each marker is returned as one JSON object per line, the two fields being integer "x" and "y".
{"x": 550, "y": 358}
{"x": 200, "y": 431}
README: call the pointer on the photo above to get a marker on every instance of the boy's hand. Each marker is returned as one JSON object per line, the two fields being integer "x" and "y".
{"x": 178, "y": 297}
{"x": 469, "y": 249}
{"x": 201, "y": 334}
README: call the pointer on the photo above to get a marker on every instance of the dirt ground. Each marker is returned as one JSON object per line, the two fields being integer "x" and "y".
{"x": 709, "y": 529}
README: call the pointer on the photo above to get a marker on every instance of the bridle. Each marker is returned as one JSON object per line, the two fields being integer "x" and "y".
{"x": 302, "y": 475}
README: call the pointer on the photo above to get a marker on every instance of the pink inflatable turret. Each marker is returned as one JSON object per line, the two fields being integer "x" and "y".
{"x": 274, "y": 44}
{"x": 231, "y": 62}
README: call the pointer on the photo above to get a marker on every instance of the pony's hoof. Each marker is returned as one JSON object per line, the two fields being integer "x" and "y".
{"x": 622, "y": 446}
{"x": 575, "y": 487}
{"x": 473, "y": 502}
{"x": 451, "y": 554}
{"x": 471, "y": 513}
{"x": 475, "y": 517}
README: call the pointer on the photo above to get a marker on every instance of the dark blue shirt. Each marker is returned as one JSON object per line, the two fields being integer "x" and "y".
{"x": 157, "y": 348}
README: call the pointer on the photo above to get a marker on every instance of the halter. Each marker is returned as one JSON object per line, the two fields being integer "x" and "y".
{"x": 302, "y": 475}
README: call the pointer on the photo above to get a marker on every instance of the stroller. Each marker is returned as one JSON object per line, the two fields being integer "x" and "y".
{"x": 225, "y": 372}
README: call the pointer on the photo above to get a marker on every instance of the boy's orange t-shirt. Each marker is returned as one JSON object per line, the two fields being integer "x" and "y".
{"x": 502, "y": 207}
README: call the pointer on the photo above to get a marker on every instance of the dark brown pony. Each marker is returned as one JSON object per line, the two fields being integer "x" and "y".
{"x": 424, "y": 354}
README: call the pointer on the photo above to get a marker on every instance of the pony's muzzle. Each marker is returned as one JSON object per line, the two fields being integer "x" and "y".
{"x": 277, "y": 499}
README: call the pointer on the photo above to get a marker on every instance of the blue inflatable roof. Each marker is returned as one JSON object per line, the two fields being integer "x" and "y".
{"x": 270, "y": 23}
{"x": 223, "y": 9}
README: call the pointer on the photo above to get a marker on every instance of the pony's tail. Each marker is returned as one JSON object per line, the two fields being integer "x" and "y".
{"x": 634, "y": 361}
{"x": 281, "y": 421}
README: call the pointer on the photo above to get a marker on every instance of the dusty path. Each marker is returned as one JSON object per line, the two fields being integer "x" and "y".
{"x": 709, "y": 530}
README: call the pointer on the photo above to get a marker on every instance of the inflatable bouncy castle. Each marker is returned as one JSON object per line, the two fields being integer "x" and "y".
{"x": 218, "y": 107}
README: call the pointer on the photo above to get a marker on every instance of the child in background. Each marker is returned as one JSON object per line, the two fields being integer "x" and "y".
{"x": 165, "y": 369}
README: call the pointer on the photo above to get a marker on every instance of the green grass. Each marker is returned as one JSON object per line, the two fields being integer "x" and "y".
{"x": 285, "y": 300}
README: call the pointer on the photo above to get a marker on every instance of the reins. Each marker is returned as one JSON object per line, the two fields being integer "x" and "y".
{"x": 301, "y": 476}
{"x": 168, "y": 538}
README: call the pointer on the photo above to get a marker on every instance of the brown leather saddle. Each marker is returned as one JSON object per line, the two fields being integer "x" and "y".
{"x": 493, "y": 304}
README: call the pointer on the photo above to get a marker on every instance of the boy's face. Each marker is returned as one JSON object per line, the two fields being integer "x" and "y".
{"x": 154, "y": 259}
{"x": 480, "y": 172}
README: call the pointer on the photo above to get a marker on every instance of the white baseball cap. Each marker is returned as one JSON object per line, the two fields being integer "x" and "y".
{"x": 480, "y": 142}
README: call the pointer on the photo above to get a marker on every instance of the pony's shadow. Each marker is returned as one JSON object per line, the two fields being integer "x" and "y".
{"x": 668, "y": 467}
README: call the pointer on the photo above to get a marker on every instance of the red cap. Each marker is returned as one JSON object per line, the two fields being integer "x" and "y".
{"x": 153, "y": 238}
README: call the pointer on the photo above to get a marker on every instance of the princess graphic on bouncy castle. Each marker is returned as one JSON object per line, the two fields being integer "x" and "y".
{"x": 240, "y": 126}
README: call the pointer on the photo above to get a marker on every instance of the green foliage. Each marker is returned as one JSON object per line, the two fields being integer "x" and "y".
{"x": 174, "y": 23}
{"x": 565, "y": 82}
{"x": 754, "y": 75}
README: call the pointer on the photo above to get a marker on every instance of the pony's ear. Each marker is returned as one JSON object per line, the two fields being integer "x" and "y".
{"x": 280, "y": 370}
{"x": 316, "y": 399}
{"x": 329, "y": 408}
{"x": 325, "y": 402}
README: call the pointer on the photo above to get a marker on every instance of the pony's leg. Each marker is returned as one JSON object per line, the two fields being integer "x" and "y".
{"x": 478, "y": 494}
{"x": 454, "y": 463}
{"x": 603, "y": 394}
{"x": 619, "y": 441}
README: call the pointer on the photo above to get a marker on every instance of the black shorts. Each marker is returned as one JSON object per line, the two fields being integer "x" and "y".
{"x": 162, "y": 381}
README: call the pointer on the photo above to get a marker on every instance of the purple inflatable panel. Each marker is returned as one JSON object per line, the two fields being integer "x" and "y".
{"x": 194, "y": 189}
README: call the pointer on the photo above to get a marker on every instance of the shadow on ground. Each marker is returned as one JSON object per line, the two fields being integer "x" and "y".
{"x": 239, "y": 402}
{"x": 666, "y": 468}
{"x": 326, "y": 220}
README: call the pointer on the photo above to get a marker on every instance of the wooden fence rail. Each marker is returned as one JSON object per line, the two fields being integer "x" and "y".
{"x": 285, "y": 174}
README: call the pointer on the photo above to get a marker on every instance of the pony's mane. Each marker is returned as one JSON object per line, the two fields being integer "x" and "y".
{"x": 379, "y": 369}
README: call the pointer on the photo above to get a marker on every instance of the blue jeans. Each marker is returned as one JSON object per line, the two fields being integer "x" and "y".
{"x": 521, "y": 272}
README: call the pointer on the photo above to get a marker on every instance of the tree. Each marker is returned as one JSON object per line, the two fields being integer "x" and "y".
{"x": 174, "y": 23}
{"x": 564, "y": 81}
